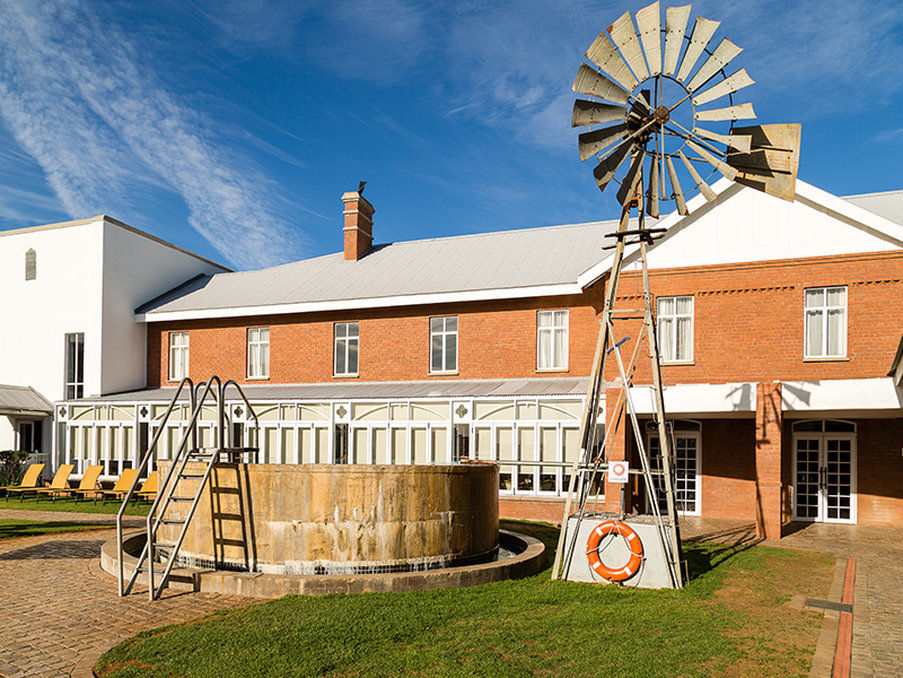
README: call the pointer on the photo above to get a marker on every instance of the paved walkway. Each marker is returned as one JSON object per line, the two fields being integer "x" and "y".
{"x": 59, "y": 611}
{"x": 878, "y": 592}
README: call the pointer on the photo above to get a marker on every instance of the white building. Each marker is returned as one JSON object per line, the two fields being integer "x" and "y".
{"x": 67, "y": 297}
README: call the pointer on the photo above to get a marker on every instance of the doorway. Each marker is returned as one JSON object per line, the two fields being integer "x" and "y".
{"x": 824, "y": 471}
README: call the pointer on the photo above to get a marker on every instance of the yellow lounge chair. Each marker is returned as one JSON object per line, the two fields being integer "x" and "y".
{"x": 121, "y": 488}
{"x": 148, "y": 489}
{"x": 88, "y": 484}
{"x": 29, "y": 480}
{"x": 60, "y": 482}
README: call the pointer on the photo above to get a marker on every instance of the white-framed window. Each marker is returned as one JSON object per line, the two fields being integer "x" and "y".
{"x": 178, "y": 355}
{"x": 444, "y": 344}
{"x": 258, "y": 352}
{"x": 347, "y": 341}
{"x": 675, "y": 328}
{"x": 75, "y": 365}
{"x": 825, "y": 322}
{"x": 552, "y": 340}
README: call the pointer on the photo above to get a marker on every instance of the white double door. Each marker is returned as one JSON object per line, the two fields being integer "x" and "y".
{"x": 824, "y": 477}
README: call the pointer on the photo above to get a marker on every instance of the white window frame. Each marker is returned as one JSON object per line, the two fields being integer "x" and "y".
{"x": 342, "y": 344}
{"x": 255, "y": 345}
{"x": 443, "y": 333}
{"x": 559, "y": 363}
{"x": 77, "y": 385}
{"x": 173, "y": 349}
{"x": 673, "y": 317}
{"x": 823, "y": 311}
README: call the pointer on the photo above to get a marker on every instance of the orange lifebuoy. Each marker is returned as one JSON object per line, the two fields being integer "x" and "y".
{"x": 634, "y": 545}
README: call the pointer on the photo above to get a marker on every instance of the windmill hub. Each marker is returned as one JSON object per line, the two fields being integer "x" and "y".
{"x": 661, "y": 115}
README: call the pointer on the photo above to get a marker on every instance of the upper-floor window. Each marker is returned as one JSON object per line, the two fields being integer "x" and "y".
{"x": 75, "y": 365}
{"x": 31, "y": 265}
{"x": 444, "y": 344}
{"x": 826, "y": 322}
{"x": 675, "y": 328}
{"x": 258, "y": 352}
{"x": 347, "y": 339}
{"x": 178, "y": 355}
{"x": 552, "y": 340}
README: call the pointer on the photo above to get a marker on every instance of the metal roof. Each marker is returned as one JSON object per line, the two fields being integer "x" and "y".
{"x": 486, "y": 261}
{"x": 23, "y": 400}
{"x": 471, "y": 388}
{"x": 888, "y": 204}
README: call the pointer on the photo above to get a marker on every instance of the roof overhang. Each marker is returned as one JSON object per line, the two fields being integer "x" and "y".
{"x": 358, "y": 304}
{"x": 815, "y": 398}
{"x": 23, "y": 401}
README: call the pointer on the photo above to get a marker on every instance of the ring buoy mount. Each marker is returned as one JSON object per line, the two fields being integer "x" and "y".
{"x": 634, "y": 546}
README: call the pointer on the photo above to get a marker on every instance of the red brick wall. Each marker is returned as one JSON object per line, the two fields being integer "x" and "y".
{"x": 728, "y": 480}
{"x": 880, "y": 465}
{"x": 495, "y": 340}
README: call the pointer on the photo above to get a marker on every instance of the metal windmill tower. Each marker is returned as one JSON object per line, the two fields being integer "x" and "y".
{"x": 661, "y": 117}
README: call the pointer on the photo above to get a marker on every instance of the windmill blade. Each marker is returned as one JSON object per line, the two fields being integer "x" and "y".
{"x": 648, "y": 23}
{"x": 593, "y": 143}
{"x": 631, "y": 185}
{"x": 624, "y": 37}
{"x": 652, "y": 193}
{"x": 772, "y": 164}
{"x": 717, "y": 163}
{"x": 740, "y": 142}
{"x": 606, "y": 169}
{"x": 703, "y": 187}
{"x": 606, "y": 57}
{"x": 703, "y": 30}
{"x": 738, "y": 112}
{"x": 723, "y": 54}
{"x": 590, "y": 81}
{"x": 729, "y": 85}
{"x": 675, "y": 187}
{"x": 593, "y": 113}
{"x": 675, "y": 26}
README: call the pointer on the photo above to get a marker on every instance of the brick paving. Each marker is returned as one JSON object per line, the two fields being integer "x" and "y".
{"x": 59, "y": 611}
{"x": 878, "y": 591}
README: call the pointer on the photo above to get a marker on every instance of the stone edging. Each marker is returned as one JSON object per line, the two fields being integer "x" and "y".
{"x": 258, "y": 585}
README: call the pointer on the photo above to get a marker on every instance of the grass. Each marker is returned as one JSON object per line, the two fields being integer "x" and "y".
{"x": 732, "y": 619}
{"x": 11, "y": 528}
{"x": 71, "y": 506}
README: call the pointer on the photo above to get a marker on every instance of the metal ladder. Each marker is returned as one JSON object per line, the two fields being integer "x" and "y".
{"x": 187, "y": 451}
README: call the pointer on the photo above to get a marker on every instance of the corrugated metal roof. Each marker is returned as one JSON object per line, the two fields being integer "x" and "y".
{"x": 500, "y": 260}
{"x": 888, "y": 204}
{"x": 382, "y": 390}
{"x": 23, "y": 400}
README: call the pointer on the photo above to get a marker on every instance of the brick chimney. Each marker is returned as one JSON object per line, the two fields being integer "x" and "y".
{"x": 358, "y": 225}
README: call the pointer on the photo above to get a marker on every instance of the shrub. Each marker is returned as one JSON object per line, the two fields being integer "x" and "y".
{"x": 12, "y": 466}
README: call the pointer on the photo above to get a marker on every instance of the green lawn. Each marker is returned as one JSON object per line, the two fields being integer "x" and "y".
{"x": 71, "y": 506}
{"x": 732, "y": 619}
{"x": 10, "y": 528}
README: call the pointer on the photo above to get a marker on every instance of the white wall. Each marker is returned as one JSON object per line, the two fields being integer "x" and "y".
{"x": 747, "y": 225}
{"x": 7, "y": 433}
{"x": 135, "y": 270}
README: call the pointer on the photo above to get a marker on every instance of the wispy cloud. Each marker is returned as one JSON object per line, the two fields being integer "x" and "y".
{"x": 78, "y": 97}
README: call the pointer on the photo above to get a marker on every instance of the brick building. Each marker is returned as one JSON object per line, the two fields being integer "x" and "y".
{"x": 778, "y": 323}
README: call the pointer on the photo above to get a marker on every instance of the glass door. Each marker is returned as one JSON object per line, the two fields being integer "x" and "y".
{"x": 686, "y": 471}
{"x": 824, "y": 478}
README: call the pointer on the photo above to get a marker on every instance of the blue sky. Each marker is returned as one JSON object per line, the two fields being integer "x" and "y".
{"x": 232, "y": 127}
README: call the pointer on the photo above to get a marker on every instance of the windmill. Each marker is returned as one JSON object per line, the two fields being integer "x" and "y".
{"x": 660, "y": 121}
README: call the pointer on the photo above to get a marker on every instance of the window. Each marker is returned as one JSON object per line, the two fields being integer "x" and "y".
{"x": 552, "y": 340}
{"x": 340, "y": 444}
{"x": 258, "y": 353}
{"x": 346, "y": 348}
{"x": 826, "y": 322}
{"x": 444, "y": 344}
{"x": 675, "y": 328}
{"x": 178, "y": 355}
{"x": 75, "y": 365}
{"x": 31, "y": 265}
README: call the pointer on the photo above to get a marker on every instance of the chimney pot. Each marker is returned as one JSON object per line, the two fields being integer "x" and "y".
{"x": 358, "y": 225}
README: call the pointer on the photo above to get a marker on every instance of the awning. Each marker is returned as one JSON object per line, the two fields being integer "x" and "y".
{"x": 23, "y": 401}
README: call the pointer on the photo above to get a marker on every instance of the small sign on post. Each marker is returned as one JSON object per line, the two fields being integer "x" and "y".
{"x": 618, "y": 471}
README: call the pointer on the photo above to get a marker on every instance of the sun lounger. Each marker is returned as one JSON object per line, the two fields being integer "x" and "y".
{"x": 29, "y": 480}
{"x": 60, "y": 482}
{"x": 149, "y": 488}
{"x": 88, "y": 484}
{"x": 121, "y": 488}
